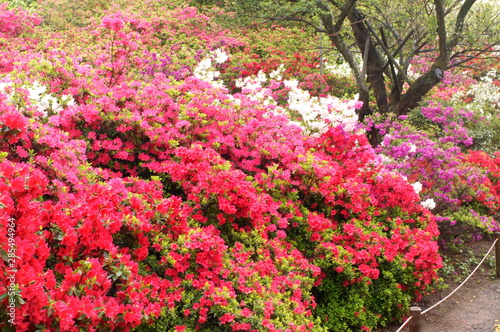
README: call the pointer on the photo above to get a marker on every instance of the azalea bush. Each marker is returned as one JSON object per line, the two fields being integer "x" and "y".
{"x": 475, "y": 89}
{"x": 485, "y": 206}
{"x": 146, "y": 194}
{"x": 483, "y": 98}
{"x": 432, "y": 148}
{"x": 15, "y": 26}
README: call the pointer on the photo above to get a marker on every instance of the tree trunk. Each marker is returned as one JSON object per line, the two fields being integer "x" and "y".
{"x": 395, "y": 95}
{"x": 338, "y": 41}
{"x": 419, "y": 89}
{"x": 374, "y": 65}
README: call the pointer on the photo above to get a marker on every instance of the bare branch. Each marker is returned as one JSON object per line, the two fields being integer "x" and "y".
{"x": 343, "y": 15}
{"x": 451, "y": 8}
{"x": 348, "y": 55}
{"x": 393, "y": 71}
{"x": 485, "y": 49}
{"x": 365, "y": 57}
{"x": 394, "y": 33}
{"x": 389, "y": 55}
{"x": 400, "y": 47}
{"x": 469, "y": 57}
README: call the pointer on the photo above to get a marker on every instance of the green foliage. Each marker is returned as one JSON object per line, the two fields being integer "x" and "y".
{"x": 486, "y": 135}
{"x": 59, "y": 15}
{"x": 262, "y": 12}
{"x": 459, "y": 260}
{"x": 421, "y": 122}
{"x": 25, "y": 4}
{"x": 369, "y": 304}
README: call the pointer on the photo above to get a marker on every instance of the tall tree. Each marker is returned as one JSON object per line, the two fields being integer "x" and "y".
{"x": 379, "y": 39}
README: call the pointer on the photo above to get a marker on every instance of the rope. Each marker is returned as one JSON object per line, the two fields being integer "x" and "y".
{"x": 456, "y": 289}
{"x": 404, "y": 324}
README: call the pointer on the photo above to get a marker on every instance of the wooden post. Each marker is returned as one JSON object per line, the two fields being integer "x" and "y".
{"x": 415, "y": 323}
{"x": 497, "y": 254}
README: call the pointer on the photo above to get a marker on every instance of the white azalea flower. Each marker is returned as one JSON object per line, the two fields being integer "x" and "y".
{"x": 276, "y": 75}
{"x": 429, "y": 204}
{"x": 220, "y": 56}
{"x": 417, "y": 186}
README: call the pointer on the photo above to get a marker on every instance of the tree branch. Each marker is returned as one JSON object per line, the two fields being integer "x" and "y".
{"x": 468, "y": 57}
{"x": 459, "y": 24}
{"x": 395, "y": 79}
{"x": 442, "y": 59}
{"x": 343, "y": 48}
{"x": 400, "y": 47}
{"x": 365, "y": 57}
{"x": 389, "y": 55}
{"x": 344, "y": 14}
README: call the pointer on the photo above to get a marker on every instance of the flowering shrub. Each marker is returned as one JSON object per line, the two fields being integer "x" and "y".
{"x": 475, "y": 89}
{"x": 483, "y": 98}
{"x": 152, "y": 199}
{"x": 15, "y": 22}
{"x": 485, "y": 206}
{"x": 466, "y": 119}
{"x": 426, "y": 147}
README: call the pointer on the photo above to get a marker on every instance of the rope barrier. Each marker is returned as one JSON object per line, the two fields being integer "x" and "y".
{"x": 404, "y": 324}
{"x": 456, "y": 289}
{"x": 463, "y": 282}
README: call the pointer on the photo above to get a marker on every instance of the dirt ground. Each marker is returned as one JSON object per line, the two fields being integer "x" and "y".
{"x": 475, "y": 307}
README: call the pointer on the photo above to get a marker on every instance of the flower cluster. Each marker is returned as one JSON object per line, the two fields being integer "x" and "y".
{"x": 314, "y": 114}
{"x": 15, "y": 22}
{"x": 484, "y": 95}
